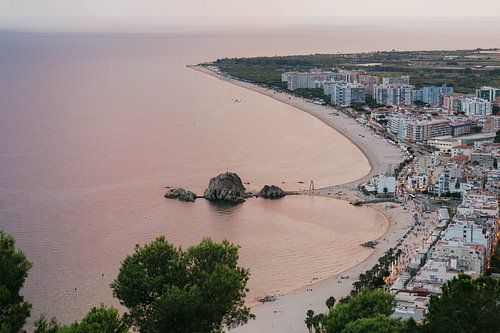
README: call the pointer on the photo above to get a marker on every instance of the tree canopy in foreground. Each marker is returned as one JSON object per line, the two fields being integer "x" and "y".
{"x": 466, "y": 305}
{"x": 167, "y": 289}
{"x": 368, "y": 303}
{"x": 102, "y": 319}
{"x": 14, "y": 269}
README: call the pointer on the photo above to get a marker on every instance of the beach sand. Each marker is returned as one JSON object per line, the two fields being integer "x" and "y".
{"x": 288, "y": 312}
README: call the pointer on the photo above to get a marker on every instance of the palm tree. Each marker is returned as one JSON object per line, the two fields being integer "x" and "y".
{"x": 330, "y": 302}
{"x": 309, "y": 320}
{"x": 318, "y": 322}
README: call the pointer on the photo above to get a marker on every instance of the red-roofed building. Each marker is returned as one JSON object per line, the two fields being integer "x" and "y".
{"x": 460, "y": 158}
{"x": 461, "y": 150}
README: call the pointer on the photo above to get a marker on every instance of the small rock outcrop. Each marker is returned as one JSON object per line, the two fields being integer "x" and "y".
{"x": 226, "y": 187}
{"x": 271, "y": 192}
{"x": 181, "y": 194}
{"x": 370, "y": 244}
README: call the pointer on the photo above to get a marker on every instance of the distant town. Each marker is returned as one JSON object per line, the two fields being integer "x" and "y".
{"x": 449, "y": 181}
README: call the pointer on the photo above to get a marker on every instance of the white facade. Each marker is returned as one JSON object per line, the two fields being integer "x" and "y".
{"x": 386, "y": 184}
{"x": 461, "y": 150}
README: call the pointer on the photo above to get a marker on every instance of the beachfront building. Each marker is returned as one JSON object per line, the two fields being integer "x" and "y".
{"x": 393, "y": 94}
{"x": 393, "y": 123}
{"x": 434, "y": 274}
{"x": 418, "y": 182}
{"x": 444, "y": 179}
{"x": 488, "y": 93}
{"x": 385, "y": 185}
{"x": 342, "y": 93}
{"x": 423, "y": 130}
{"x": 417, "y": 129}
{"x": 466, "y": 231}
{"x": 311, "y": 79}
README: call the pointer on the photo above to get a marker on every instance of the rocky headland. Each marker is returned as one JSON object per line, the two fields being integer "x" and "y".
{"x": 226, "y": 187}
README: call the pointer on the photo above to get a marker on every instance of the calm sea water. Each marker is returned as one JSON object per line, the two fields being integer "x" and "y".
{"x": 93, "y": 127}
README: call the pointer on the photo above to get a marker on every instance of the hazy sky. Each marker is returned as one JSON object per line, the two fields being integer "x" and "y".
{"x": 24, "y": 13}
{"x": 249, "y": 7}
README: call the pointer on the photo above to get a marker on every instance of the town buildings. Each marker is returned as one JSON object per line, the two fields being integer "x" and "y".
{"x": 468, "y": 104}
{"x": 432, "y": 95}
{"x": 344, "y": 94}
{"x": 488, "y": 93}
{"x": 456, "y": 158}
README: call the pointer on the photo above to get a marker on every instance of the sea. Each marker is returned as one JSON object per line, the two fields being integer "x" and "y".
{"x": 94, "y": 126}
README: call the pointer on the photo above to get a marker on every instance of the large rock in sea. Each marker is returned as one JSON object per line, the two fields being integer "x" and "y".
{"x": 271, "y": 192}
{"x": 181, "y": 194}
{"x": 226, "y": 187}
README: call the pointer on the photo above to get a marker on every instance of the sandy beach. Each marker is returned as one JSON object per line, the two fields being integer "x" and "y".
{"x": 381, "y": 155}
{"x": 288, "y": 312}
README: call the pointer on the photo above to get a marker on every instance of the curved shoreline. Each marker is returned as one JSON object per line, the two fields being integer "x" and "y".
{"x": 288, "y": 312}
{"x": 379, "y": 154}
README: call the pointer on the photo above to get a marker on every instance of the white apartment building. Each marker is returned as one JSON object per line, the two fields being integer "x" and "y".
{"x": 469, "y": 256}
{"x": 297, "y": 80}
{"x": 468, "y": 104}
{"x": 418, "y": 182}
{"x": 476, "y": 107}
{"x": 444, "y": 179}
{"x": 344, "y": 93}
{"x": 423, "y": 130}
{"x": 467, "y": 232}
{"x": 461, "y": 150}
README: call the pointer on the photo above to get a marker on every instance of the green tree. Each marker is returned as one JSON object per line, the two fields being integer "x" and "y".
{"x": 495, "y": 109}
{"x": 167, "y": 289}
{"x": 368, "y": 303}
{"x": 317, "y": 323}
{"x": 102, "y": 319}
{"x": 330, "y": 302}
{"x": 466, "y": 305}
{"x": 309, "y": 320}
{"x": 380, "y": 324}
{"x": 14, "y": 269}
{"x": 497, "y": 137}
{"x": 42, "y": 325}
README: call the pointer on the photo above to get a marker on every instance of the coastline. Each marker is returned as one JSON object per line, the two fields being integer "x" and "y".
{"x": 288, "y": 312}
{"x": 379, "y": 154}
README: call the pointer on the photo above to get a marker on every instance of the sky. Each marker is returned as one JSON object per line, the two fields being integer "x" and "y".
{"x": 52, "y": 12}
